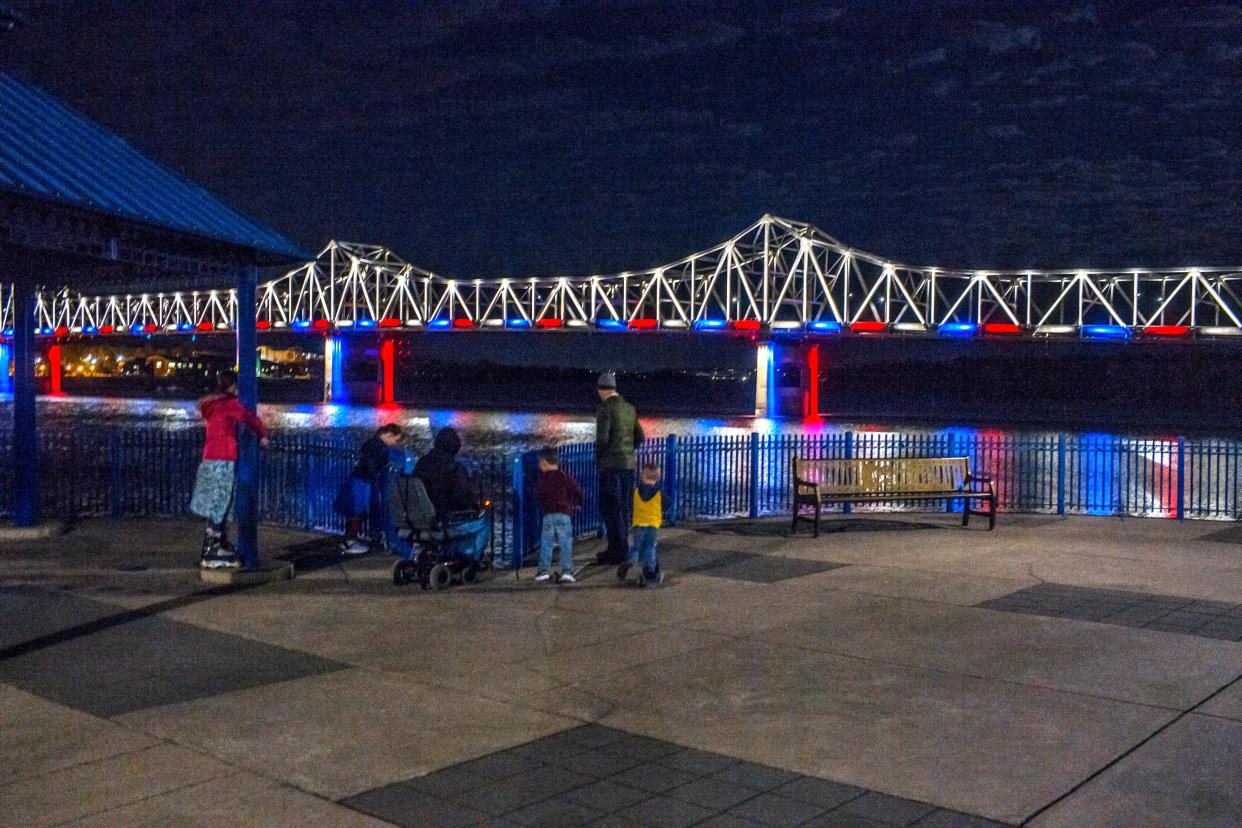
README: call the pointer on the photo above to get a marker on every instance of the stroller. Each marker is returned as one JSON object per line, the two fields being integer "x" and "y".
{"x": 456, "y": 547}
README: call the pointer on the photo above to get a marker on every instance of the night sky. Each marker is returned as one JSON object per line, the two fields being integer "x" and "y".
{"x": 521, "y": 138}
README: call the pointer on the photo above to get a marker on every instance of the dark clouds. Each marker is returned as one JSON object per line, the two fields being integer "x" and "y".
{"x": 566, "y": 137}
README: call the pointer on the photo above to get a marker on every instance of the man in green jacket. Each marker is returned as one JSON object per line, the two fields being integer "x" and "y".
{"x": 617, "y": 435}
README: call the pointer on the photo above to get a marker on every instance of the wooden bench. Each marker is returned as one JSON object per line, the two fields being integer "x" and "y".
{"x": 872, "y": 480}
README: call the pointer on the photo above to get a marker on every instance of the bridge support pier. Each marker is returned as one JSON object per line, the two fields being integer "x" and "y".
{"x": 808, "y": 377}
{"x": 54, "y": 369}
{"x": 775, "y": 394}
{"x": 766, "y": 404}
{"x": 334, "y": 370}
{"x": 387, "y": 364}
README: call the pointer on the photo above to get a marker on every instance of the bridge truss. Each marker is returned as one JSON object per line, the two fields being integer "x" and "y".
{"x": 775, "y": 276}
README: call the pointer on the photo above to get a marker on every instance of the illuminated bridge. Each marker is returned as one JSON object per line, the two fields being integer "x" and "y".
{"x": 777, "y": 280}
{"x": 776, "y": 276}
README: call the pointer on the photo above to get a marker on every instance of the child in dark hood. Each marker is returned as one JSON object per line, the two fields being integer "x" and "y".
{"x": 445, "y": 478}
{"x": 360, "y": 495}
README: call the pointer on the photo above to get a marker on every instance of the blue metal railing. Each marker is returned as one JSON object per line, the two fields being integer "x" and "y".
{"x": 722, "y": 476}
{"x": 150, "y": 472}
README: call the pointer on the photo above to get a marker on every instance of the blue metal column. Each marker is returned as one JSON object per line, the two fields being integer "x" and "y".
{"x": 6, "y": 355}
{"x": 25, "y": 424}
{"x": 670, "y": 479}
{"x": 247, "y": 498}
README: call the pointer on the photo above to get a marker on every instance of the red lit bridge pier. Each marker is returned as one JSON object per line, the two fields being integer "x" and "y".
{"x": 337, "y": 384}
{"x": 787, "y": 377}
{"x": 778, "y": 281}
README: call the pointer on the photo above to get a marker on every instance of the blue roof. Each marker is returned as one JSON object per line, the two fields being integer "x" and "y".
{"x": 48, "y": 151}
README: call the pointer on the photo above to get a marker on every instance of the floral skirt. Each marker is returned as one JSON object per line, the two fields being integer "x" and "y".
{"x": 213, "y": 490}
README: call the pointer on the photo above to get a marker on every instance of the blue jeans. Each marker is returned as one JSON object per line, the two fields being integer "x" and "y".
{"x": 557, "y": 529}
{"x": 644, "y": 546}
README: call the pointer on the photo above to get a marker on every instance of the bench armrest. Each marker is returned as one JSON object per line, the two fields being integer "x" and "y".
{"x": 986, "y": 482}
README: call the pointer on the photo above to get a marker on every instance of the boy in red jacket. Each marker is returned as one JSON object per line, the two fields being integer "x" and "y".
{"x": 558, "y": 495}
{"x": 213, "y": 485}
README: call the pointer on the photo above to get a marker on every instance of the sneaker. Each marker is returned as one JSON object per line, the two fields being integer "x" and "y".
{"x": 542, "y": 577}
{"x": 567, "y": 578}
{"x": 622, "y": 571}
{"x": 652, "y": 578}
{"x": 355, "y": 547}
{"x": 217, "y": 558}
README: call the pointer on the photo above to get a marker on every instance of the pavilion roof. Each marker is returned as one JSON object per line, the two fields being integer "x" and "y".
{"x": 51, "y": 153}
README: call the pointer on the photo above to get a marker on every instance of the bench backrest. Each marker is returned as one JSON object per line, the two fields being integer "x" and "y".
{"x": 882, "y": 475}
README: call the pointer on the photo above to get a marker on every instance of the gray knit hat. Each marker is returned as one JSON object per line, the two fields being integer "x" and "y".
{"x": 607, "y": 380}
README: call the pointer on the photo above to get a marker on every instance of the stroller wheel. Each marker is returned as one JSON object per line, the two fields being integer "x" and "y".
{"x": 402, "y": 573}
{"x": 440, "y": 577}
{"x": 470, "y": 574}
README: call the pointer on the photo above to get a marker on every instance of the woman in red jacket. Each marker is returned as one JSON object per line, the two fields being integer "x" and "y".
{"x": 214, "y": 483}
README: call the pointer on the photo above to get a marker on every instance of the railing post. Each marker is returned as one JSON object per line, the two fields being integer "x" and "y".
{"x": 116, "y": 475}
{"x": 1061, "y": 474}
{"x": 754, "y": 474}
{"x": 1181, "y": 478}
{"x": 849, "y": 455}
{"x": 519, "y": 513}
{"x": 670, "y": 478}
{"x": 951, "y": 504}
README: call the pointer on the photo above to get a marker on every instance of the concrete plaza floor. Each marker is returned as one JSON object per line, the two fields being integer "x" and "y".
{"x": 897, "y": 670}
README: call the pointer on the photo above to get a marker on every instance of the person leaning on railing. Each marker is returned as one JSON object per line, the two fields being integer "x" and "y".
{"x": 617, "y": 436}
{"x": 216, "y": 478}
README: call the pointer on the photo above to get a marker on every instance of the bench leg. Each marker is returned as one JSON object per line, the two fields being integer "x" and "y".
{"x": 991, "y": 513}
{"x": 794, "y": 526}
{"x": 965, "y": 511}
{"x": 817, "y": 518}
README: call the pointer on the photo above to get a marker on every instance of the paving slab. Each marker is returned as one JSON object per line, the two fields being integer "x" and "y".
{"x": 229, "y": 800}
{"x": 339, "y": 733}
{"x": 1226, "y": 704}
{"x": 1098, "y": 659}
{"x": 981, "y": 746}
{"x": 109, "y": 662}
{"x": 98, "y": 786}
{"x": 1186, "y": 775}
{"x": 939, "y": 587}
{"x": 38, "y": 736}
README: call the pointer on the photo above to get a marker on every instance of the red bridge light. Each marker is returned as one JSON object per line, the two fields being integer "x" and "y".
{"x": 389, "y": 323}
{"x": 549, "y": 323}
{"x": 745, "y": 325}
{"x": 644, "y": 324}
{"x": 1167, "y": 330}
{"x": 263, "y": 324}
{"x": 62, "y": 330}
{"x": 106, "y": 329}
{"x": 1007, "y": 328}
{"x": 205, "y": 326}
{"x": 463, "y": 323}
{"x": 150, "y": 328}
{"x": 867, "y": 327}
{"x": 322, "y": 324}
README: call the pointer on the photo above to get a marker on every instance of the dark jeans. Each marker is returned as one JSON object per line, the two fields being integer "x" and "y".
{"x": 616, "y": 502}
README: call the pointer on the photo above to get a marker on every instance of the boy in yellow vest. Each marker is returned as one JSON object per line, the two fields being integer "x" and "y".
{"x": 648, "y": 507}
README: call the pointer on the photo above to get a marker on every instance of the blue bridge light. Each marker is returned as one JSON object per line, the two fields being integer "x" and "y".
{"x": 517, "y": 323}
{"x": 8, "y": 332}
{"x": 185, "y": 326}
{"x": 824, "y": 326}
{"x": 1105, "y": 331}
{"x": 301, "y": 324}
{"x": 710, "y": 325}
{"x": 136, "y": 330}
{"x": 365, "y": 323}
{"x": 440, "y": 324}
{"x": 958, "y": 329}
{"x": 90, "y": 329}
{"x": 612, "y": 325}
